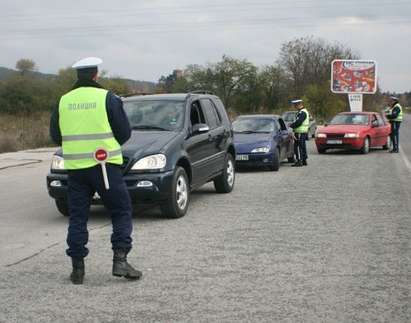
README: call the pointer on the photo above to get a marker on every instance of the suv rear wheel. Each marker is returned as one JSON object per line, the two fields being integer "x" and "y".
{"x": 176, "y": 206}
{"x": 225, "y": 182}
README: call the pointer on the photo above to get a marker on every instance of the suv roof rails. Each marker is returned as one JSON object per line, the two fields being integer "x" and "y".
{"x": 136, "y": 93}
{"x": 201, "y": 92}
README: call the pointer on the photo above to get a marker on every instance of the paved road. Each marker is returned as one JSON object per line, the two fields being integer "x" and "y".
{"x": 325, "y": 243}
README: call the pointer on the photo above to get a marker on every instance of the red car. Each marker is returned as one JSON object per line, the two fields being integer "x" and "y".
{"x": 354, "y": 131}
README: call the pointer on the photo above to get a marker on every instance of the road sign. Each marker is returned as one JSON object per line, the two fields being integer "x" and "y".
{"x": 101, "y": 155}
{"x": 355, "y": 100}
{"x": 354, "y": 76}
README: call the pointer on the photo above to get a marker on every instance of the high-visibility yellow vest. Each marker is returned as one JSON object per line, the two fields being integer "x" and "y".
{"x": 85, "y": 127}
{"x": 399, "y": 117}
{"x": 303, "y": 128}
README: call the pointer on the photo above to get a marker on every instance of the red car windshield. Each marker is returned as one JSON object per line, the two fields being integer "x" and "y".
{"x": 355, "y": 119}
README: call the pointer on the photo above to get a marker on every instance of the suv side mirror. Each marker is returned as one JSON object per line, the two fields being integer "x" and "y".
{"x": 200, "y": 128}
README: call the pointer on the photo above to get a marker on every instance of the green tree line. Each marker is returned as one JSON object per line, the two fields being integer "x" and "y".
{"x": 27, "y": 92}
{"x": 302, "y": 70}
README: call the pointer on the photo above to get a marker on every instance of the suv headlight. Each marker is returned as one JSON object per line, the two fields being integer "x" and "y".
{"x": 351, "y": 135}
{"x": 150, "y": 162}
{"x": 321, "y": 135}
{"x": 57, "y": 163}
{"x": 261, "y": 150}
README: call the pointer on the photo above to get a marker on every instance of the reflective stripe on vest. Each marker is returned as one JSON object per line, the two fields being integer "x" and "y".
{"x": 88, "y": 155}
{"x": 303, "y": 128}
{"x": 85, "y": 127}
{"x": 107, "y": 135}
{"x": 399, "y": 117}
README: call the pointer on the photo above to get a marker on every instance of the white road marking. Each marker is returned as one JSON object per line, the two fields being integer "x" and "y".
{"x": 405, "y": 159}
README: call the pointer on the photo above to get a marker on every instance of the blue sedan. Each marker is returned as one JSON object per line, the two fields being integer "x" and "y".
{"x": 262, "y": 141}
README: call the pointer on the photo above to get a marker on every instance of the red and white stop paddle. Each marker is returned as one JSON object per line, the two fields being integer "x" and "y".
{"x": 101, "y": 155}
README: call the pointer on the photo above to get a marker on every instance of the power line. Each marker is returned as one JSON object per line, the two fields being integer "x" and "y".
{"x": 166, "y": 29}
{"x": 199, "y": 9}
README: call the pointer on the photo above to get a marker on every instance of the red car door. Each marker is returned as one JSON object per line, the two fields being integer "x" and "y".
{"x": 373, "y": 131}
{"x": 384, "y": 130}
{"x": 378, "y": 134}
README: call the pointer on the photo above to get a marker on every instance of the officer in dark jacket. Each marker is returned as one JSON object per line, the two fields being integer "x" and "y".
{"x": 300, "y": 127}
{"x": 89, "y": 118}
{"x": 395, "y": 116}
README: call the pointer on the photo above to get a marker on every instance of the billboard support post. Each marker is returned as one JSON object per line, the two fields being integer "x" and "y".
{"x": 355, "y": 100}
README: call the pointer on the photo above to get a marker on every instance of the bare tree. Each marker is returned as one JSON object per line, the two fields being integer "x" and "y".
{"x": 308, "y": 61}
{"x": 25, "y": 65}
{"x": 274, "y": 85}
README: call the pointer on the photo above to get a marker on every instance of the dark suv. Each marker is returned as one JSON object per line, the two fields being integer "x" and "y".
{"x": 179, "y": 142}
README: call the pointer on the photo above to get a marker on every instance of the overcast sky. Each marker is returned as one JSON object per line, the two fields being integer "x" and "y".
{"x": 147, "y": 38}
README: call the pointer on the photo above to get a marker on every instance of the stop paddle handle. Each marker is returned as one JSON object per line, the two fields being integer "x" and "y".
{"x": 101, "y": 155}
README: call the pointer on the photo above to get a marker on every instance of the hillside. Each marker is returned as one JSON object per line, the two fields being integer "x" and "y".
{"x": 135, "y": 85}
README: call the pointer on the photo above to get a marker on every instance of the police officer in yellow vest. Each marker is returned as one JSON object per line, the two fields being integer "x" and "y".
{"x": 394, "y": 116}
{"x": 86, "y": 119}
{"x": 300, "y": 127}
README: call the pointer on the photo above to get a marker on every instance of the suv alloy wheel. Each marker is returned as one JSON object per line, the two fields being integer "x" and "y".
{"x": 225, "y": 182}
{"x": 176, "y": 206}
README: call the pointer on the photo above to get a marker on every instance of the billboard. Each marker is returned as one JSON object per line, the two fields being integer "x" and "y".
{"x": 353, "y": 76}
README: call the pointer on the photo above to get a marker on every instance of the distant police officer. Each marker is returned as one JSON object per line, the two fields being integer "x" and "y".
{"x": 394, "y": 115}
{"x": 89, "y": 118}
{"x": 300, "y": 127}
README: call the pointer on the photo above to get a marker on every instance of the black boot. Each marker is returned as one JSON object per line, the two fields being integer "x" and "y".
{"x": 304, "y": 163}
{"x": 298, "y": 163}
{"x": 77, "y": 275}
{"x": 121, "y": 268}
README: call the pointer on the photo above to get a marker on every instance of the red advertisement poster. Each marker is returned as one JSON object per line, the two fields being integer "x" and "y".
{"x": 353, "y": 76}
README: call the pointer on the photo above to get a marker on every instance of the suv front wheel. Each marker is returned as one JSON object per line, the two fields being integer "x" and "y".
{"x": 225, "y": 182}
{"x": 62, "y": 206}
{"x": 176, "y": 206}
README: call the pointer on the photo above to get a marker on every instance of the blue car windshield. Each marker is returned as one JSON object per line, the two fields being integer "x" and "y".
{"x": 253, "y": 125}
{"x": 354, "y": 119}
{"x": 155, "y": 114}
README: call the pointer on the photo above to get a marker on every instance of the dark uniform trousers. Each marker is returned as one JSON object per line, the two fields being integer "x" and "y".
{"x": 395, "y": 134}
{"x": 82, "y": 184}
{"x": 300, "y": 147}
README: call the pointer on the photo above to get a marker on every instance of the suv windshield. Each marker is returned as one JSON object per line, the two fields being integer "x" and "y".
{"x": 253, "y": 125}
{"x": 289, "y": 116}
{"x": 156, "y": 114}
{"x": 359, "y": 119}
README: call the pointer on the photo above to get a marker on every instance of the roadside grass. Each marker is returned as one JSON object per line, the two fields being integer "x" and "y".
{"x": 24, "y": 131}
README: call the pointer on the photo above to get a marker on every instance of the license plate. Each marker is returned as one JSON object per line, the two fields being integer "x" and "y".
{"x": 334, "y": 142}
{"x": 242, "y": 157}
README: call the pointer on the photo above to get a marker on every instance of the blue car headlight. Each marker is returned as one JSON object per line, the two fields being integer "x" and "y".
{"x": 260, "y": 150}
